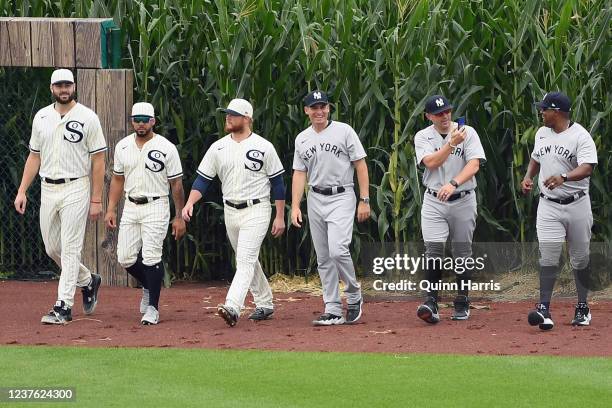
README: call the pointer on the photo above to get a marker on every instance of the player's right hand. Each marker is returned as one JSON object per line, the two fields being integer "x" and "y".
{"x": 110, "y": 219}
{"x": 20, "y": 203}
{"x": 296, "y": 217}
{"x": 526, "y": 185}
{"x": 187, "y": 212}
{"x": 458, "y": 136}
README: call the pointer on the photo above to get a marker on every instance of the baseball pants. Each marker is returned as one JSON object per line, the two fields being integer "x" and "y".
{"x": 63, "y": 218}
{"x": 456, "y": 219}
{"x": 331, "y": 225}
{"x": 246, "y": 230}
{"x": 557, "y": 223}
{"x": 143, "y": 226}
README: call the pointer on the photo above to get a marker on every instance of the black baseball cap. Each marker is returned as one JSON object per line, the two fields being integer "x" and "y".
{"x": 436, "y": 104}
{"x": 315, "y": 97}
{"x": 555, "y": 100}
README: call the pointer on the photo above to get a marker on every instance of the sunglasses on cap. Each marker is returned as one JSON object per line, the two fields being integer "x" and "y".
{"x": 141, "y": 119}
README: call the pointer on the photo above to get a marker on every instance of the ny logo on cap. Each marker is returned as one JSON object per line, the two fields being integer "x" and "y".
{"x": 439, "y": 102}
{"x": 317, "y": 95}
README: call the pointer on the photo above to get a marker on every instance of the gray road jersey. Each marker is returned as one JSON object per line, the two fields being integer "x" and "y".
{"x": 428, "y": 141}
{"x": 328, "y": 156}
{"x": 560, "y": 153}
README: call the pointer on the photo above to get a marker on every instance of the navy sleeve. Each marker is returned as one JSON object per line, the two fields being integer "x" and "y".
{"x": 278, "y": 187}
{"x": 201, "y": 184}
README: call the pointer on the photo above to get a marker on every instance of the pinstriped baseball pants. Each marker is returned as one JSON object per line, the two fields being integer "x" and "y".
{"x": 246, "y": 230}
{"x": 143, "y": 226}
{"x": 63, "y": 218}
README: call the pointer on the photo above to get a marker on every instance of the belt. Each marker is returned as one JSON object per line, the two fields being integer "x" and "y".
{"x": 329, "y": 190}
{"x": 142, "y": 200}
{"x": 58, "y": 181}
{"x": 452, "y": 197}
{"x": 566, "y": 200}
{"x": 240, "y": 206}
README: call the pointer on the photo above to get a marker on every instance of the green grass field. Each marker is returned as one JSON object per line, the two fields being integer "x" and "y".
{"x": 162, "y": 377}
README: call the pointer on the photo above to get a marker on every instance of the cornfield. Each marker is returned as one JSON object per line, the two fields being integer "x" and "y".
{"x": 379, "y": 60}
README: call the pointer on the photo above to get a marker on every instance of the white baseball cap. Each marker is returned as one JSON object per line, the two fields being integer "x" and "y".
{"x": 143, "y": 109}
{"x": 239, "y": 107}
{"x": 62, "y": 75}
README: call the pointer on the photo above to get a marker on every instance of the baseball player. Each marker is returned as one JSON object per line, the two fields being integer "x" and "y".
{"x": 451, "y": 156}
{"x": 563, "y": 157}
{"x": 146, "y": 167}
{"x": 327, "y": 154}
{"x": 249, "y": 169}
{"x": 66, "y": 141}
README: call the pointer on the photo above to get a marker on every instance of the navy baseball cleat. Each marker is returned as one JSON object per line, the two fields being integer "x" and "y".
{"x": 462, "y": 308}
{"x": 354, "y": 312}
{"x": 261, "y": 313}
{"x": 60, "y": 314}
{"x": 328, "y": 319}
{"x": 428, "y": 311}
{"x": 541, "y": 317}
{"x": 582, "y": 315}
{"x": 227, "y": 314}
{"x": 90, "y": 294}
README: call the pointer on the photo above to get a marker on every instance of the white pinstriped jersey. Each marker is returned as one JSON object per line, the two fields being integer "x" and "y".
{"x": 147, "y": 170}
{"x": 244, "y": 168}
{"x": 65, "y": 144}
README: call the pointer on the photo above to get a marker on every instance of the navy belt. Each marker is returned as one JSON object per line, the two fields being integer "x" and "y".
{"x": 566, "y": 200}
{"x": 452, "y": 197}
{"x": 240, "y": 206}
{"x": 58, "y": 181}
{"x": 142, "y": 200}
{"x": 329, "y": 190}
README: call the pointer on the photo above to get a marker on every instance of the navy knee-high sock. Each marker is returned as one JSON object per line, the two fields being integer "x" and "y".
{"x": 548, "y": 277}
{"x": 581, "y": 277}
{"x": 138, "y": 272}
{"x": 155, "y": 276}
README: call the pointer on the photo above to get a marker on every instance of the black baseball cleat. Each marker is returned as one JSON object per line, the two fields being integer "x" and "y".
{"x": 428, "y": 311}
{"x": 261, "y": 313}
{"x": 582, "y": 315}
{"x": 541, "y": 317}
{"x": 90, "y": 294}
{"x": 60, "y": 314}
{"x": 227, "y": 314}
{"x": 328, "y": 319}
{"x": 354, "y": 312}
{"x": 461, "y": 308}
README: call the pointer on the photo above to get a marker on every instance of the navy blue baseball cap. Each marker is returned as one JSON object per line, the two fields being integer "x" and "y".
{"x": 315, "y": 97}
{"x": 436, "y": 104}
{"x": 555, "y": 100}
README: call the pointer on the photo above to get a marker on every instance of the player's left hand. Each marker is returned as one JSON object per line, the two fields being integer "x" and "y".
{"x": 278, "y": 227}
{"x": 178, "y": 227}
{"x": 445, "y": 192}
{"x": 363, "y": 211}
{"x": 95, "y": 210}
{"x": 553, "y": 182}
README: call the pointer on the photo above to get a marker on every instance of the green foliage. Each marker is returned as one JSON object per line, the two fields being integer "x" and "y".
{"x": 379, "y": 60}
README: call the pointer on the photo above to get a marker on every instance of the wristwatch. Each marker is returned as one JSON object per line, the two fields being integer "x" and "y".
{"x": 454, "y": 183}
{"x": 564, "y": 177}
{"x": 365, "y": 200}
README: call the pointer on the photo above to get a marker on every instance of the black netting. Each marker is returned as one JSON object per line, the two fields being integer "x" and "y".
{"x": 22, "y": 252}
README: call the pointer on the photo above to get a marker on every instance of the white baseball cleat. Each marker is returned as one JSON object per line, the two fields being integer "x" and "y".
{"x": 151, "y": 316}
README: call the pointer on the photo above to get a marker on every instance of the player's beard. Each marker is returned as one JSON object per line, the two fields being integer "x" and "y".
{"x": 143, "y": 132}
{"x": 61, "y": 98}
{"x": 235, "y": 128}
